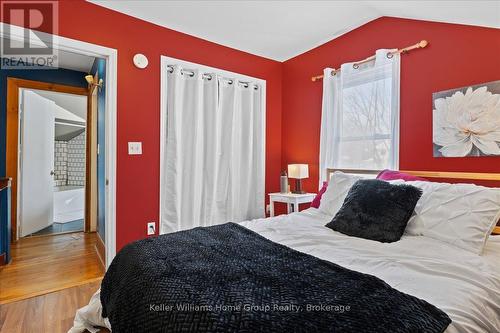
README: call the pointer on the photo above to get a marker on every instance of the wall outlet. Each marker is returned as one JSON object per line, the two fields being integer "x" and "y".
{"x": 151, "y": 228}
{"x": 135, "y": 148}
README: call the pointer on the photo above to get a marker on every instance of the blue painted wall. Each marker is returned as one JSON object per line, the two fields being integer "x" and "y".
{"x": 60, "y": 76}
{"x": 5, "y": 231}
{"x": 100, "y": 67}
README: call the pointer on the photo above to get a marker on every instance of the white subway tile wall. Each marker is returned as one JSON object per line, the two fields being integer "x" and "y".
{"x": 60, "y": 163}
{"x": 76, "y": 160}
{"x": 69, "y": 162}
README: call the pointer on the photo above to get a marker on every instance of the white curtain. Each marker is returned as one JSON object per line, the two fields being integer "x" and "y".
{"x": 213, "y": 160}
{"x": 360, "y": 115}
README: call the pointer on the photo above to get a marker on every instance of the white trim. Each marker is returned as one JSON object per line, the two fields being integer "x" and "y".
{"x": 111, "y": 56}
{"x": 163, "y": 129}
{"x": 164, "y": 62}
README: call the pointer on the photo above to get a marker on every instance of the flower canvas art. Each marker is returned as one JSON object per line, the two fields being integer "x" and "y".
{"x": 466, "y": 121}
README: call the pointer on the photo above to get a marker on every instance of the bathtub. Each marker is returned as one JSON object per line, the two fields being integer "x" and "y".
{"x": 69, "y": 203}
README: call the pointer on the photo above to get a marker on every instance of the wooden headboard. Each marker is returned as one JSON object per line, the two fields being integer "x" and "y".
{"x": 429, "y": 174}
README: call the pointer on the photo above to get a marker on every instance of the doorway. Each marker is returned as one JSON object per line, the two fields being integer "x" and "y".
{"x": 72, "y": 49}
{"x": 52, "y": 162}
{"x": 51, "y": 132}
{"x": 42, "y": 134}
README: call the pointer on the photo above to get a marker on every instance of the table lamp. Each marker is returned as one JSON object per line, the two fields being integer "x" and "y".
{"x": 299, "y": 172}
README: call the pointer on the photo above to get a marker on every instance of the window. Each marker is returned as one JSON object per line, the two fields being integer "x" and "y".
{"x": 360, "y": 116}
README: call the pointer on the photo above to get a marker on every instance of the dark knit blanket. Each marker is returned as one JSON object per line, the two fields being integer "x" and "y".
{"x": 227, "y": 278}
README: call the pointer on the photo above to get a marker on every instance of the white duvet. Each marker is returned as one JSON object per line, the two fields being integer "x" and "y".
{"x": 464, "y": 285}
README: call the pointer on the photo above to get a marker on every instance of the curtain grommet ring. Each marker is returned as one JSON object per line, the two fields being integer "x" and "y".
{"x": 390, "y": 55}
{"x": 333, "y": 73}
{"x": 355, "y": 66}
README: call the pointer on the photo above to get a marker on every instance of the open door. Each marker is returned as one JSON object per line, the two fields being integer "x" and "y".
{"x": 37, "y": 162}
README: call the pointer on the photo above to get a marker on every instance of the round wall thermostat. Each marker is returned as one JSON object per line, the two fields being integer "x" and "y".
{"x": 140, "y": 61}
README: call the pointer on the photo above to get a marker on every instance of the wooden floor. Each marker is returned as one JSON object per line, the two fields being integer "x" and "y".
{"x": 49, "y": 263}
{"x": 49, "y": 313}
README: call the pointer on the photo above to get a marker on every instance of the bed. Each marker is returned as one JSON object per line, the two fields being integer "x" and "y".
{"x": 462, "y": 284}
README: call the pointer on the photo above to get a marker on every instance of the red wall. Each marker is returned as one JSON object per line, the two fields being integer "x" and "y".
{"x": 457, "y": 56}
{"x": 139, "y": 100}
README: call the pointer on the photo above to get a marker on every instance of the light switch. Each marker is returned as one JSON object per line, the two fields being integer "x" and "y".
{"x": 135, "y": 148}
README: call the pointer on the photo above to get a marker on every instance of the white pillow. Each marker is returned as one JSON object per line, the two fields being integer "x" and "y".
{"x": 339, "y": 185}
{"x": 460, "y": 214}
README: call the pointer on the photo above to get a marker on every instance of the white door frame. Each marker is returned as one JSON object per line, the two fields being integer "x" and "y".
{"x": 111, "y": 57}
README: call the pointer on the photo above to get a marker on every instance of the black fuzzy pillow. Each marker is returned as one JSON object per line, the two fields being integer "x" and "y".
{"x": 377, "y": 210}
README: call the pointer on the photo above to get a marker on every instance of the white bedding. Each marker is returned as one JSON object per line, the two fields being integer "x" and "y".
{"x": 462, "y": 284}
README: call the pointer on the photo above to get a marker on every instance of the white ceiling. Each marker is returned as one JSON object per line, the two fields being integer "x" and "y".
{"x": 76, "y": 104}
{"x": 283, "y": 29}
{"x": 74, "y": 61}
{"x": 70, "y": 113}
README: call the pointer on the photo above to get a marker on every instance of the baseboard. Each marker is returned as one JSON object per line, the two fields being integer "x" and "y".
{"x": 101, "y": 250}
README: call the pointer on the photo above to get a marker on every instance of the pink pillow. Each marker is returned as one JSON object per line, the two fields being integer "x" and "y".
{"x": 317, "y": 199}
{"x": 393, "y": 175}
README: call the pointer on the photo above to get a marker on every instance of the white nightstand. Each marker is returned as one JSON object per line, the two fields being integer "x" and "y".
{"x": 290, "y": 199}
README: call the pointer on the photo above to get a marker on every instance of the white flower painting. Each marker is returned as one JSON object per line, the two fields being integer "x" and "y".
{"x": 466, "y": 121}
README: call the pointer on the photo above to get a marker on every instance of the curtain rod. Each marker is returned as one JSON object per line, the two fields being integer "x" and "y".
{"x": 423, "y": 43}
{"x": 208, "y": 76}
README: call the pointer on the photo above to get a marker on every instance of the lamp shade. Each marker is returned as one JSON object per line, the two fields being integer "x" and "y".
{"x": 298, "y": 171}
